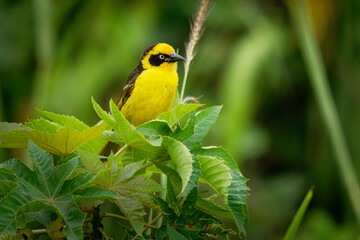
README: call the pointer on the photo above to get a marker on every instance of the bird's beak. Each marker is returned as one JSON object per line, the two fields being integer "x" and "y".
{"x": 174, "y": 57}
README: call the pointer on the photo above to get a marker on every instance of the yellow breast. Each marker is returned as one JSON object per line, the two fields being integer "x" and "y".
{"x": 153, "y": 93}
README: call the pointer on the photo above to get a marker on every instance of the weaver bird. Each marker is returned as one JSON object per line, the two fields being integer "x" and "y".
{"x": 150, "y": 88}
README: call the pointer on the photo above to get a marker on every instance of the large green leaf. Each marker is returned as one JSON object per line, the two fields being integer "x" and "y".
{"x": 177, "y": 112}
{"x": 217, "y": 174}
{"x": 238, "y": 191}
{"x": 181, "y": 156}
{"x": 63, "y": 142}
{"x": 48, "y": 185}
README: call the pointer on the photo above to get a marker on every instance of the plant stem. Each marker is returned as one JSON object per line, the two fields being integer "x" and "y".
{"x": 316, "y": 69}
{"x": 151, "y": 223}
{"x": 39, "y": 231}
{"x": 151, "y": 212}
{"x": 104, "y": 234}
{"x": 114, "y": 216}
{"x": 162, "y": 195}
{"x": 121, "y": 150}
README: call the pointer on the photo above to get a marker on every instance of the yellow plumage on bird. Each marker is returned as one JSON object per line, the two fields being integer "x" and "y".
{"x": 150, "y": 88}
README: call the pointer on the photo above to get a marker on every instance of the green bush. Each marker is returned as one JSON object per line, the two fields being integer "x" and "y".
{"x": 65, "y": 187}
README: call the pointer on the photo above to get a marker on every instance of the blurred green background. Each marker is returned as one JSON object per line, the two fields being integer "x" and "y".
{"x": 56, "y": 54}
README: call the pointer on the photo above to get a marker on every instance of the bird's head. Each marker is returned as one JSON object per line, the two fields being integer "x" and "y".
{"x": 160, "y": 55}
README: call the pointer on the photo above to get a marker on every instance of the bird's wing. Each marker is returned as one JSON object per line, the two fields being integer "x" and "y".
{"x": 129, "y": 86}
{"x": 125, "y": 94}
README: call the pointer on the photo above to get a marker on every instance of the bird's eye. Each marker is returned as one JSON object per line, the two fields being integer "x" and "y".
{"x": 162, "y": 57}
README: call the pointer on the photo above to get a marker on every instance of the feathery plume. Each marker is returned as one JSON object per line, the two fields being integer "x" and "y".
{"x": 195, "y": 34}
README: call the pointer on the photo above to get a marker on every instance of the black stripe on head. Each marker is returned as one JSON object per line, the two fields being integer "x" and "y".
{"x": 156, "y": 60}
{"x": 148, "y": 50}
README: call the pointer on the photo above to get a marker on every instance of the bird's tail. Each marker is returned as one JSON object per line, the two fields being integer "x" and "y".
{"x": 108, "y": 148}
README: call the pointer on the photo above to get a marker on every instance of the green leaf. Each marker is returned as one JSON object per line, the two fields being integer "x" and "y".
{"x": 217, "y": 174}
{"x": 30, "y": 211}
{"x": 7, "y": 127}
{"x": 6, "y": 186}
{"x": 167, "y": 210}
{"x": 48, "y": 185}
{"x": 131, "y": 188}
{"x": 204, "y": 121}
{"x": 43, "y": 125}
{"x": 43, "y": 216}
{"x": 161, "y": 232}
{"x": 190, "y": 202}
{"x": 295, "y": 223}
{"x": 220, "y": 230}
{"x": 238, "y": 192}
{"x": 146, "y": 200}
{"x": 194, "y": 178}
{"x": 173, "y": 234}
{"x": 62, "y": 143}
{"x": 134, "y": 211}
{"x": 120, "y": 125}
{"x": 123, "y": 180}
{"x": 181, "y": 156}
{"x": 138, "y": 148}
{"x": 155, "y": 128}
{"x": 218, "y": 152}
{"x": 11, "y": 135}
{"x": 94, "y": 194}
{"x": 91, "y": 161}
{"x": 209, "y": 205}
{"x": 8, "y": 207}
{"x": 182, "y": 134}
{"x": 170, "y": 192}
{"x": 64, "y": 120}
{"x": 142, "y": 184}
{"x": 177, "y": 112}
{"x": 6, "y": 174}
{"x": 172, "y": 175}
{"x": 139, "y": 153}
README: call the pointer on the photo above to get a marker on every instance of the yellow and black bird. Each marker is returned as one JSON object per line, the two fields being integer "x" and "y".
{"x": 150, "y": 88}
